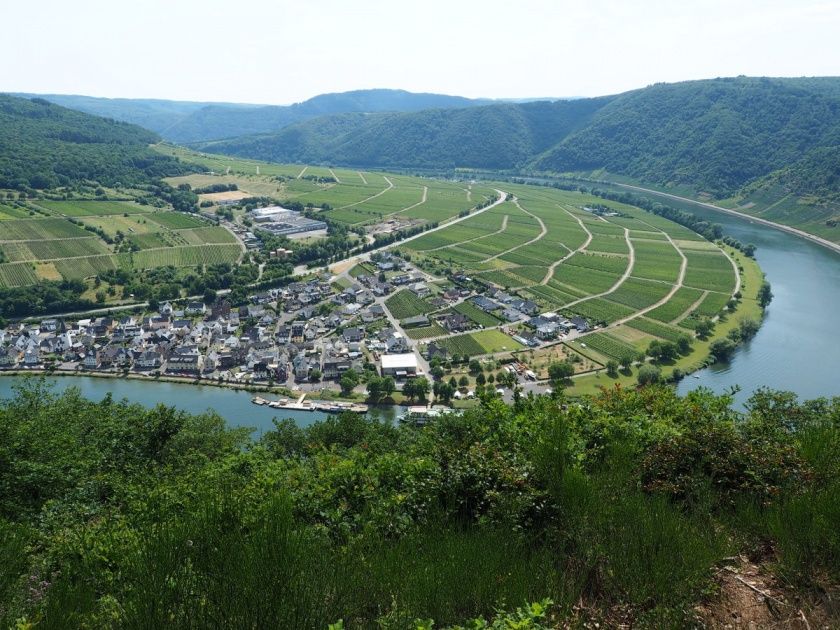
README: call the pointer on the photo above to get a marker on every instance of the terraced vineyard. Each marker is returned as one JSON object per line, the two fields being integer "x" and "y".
{"x": 642, "y": 277}
{"x": 354, "y": 198}
{"x": 54, "y": 240}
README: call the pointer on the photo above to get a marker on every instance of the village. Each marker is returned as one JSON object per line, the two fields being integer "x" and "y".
{"x": 299, "y": 336}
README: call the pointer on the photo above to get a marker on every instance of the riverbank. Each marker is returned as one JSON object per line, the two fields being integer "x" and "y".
{"x": 743, "y": 215}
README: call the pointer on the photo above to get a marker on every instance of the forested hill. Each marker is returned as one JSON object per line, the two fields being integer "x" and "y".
{"x": 501, "y": 136}
{"x": 713, "y": 136}
{"x": 183, "y": 121}
{"x": 43, "y": 145}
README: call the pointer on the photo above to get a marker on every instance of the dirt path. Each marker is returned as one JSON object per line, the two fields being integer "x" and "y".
{"x": 779, "y": 226}
{"x": 366, "y": 256}
{"x": 543, "y": 232}
{"x": 299, "y": 175}
{"x": 621, "y": 280}
{"x": 364, "y": 181}
{"x": 470, "y": 240}
{"x": 735, "y": 269}
{"x": 674, "y": 289}
{"x": 419, "y": 203}
{"x": 379, "y": 194}
{"x": 690, "y": 309}
{"x": 335, "y": 177}
{"x": 571, "y": 253}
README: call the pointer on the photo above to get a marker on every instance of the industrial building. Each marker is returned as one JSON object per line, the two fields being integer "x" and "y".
{"x": 282, "y": 221}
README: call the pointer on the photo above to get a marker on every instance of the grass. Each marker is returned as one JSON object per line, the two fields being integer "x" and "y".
{"x": 492, "y": 341}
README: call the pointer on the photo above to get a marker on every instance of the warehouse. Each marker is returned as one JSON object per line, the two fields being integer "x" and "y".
{"x": 283, "y": 222}
{"x": 399, "y": 365}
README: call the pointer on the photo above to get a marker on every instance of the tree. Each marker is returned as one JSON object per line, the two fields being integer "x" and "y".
{"x": 480, "y": 378}
{"x": 704, "y": 328}
{"x": 626, "y": 360}
{"x": 315, "y": 375}
{"x": 748, "y": 328}
{"x": 437, "y": 372}
{"x": 722, "y": 349}
{"x": 348, "y": 381}
{"x": 416, "y": 388}
{"x": 765, "y": 294}
{"x": 388, "y": 386}
{"x": 453, "y": 383}
{"x": 209, "y": 296}
{"x": 464, "y": 381}
{"x": 559, "y": 372}
{"x": 684, "y": 344}
{"x": 443, "y": 392}
{"x": 475, "y": 367}
{"x": 380, "y": 387}
{"x": 649, "y": 375}
{"x": 612, "y": 368}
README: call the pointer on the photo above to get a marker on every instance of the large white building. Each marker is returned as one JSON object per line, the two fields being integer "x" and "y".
{"x": 281, "y": 221}
{"x": 399, "y": 365}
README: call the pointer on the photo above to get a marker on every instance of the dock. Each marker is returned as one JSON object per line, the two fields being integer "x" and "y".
{"x": 301, "y": 404}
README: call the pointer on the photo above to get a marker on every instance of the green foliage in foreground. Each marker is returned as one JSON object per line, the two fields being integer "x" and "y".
{"x": 112, "y": 515}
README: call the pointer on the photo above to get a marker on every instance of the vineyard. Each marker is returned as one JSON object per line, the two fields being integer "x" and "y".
{"x": 404, "y": 304}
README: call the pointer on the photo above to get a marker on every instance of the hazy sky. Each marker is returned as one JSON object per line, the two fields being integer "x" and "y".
{"x": 265, "y": 51}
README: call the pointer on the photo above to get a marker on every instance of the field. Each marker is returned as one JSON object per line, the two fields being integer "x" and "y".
{"x": 404, "y": 304}
{"x": 353, "y": 197}
{"x": 425, "y": 332}
{"x": 90, "y": 208}
{"x": 607, "y": 345}
{"x": 63, "y": 240}
{"x": 476, "y": 314}
{"x": 482, "y": 342}
{"x": 545, "y": 247}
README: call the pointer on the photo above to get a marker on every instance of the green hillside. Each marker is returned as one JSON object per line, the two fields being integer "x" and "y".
{"x": 713, "y": 136}
{"x": 44, "y": 146}
{"x": 502, "y": 136}
{"x": 187, "y": 121}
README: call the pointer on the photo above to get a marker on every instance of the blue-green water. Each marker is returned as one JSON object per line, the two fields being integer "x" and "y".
{"x": 234, "y": 406}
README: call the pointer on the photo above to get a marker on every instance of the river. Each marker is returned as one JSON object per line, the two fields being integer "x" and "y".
{"x": 797, "y": 347}
{"x": 234, "y": 406}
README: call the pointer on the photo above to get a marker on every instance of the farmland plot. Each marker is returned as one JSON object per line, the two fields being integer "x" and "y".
{"x": 679, "y": 303}
{"x": 40, "y": 229}
{"x": 710, "y": 271}
{"x": 17, "y": 275}
{"x": 404, "y": 304}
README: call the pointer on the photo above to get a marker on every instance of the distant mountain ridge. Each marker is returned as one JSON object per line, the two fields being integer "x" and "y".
{"x": 193, "y": 121}
{"x": 499, "y": 136}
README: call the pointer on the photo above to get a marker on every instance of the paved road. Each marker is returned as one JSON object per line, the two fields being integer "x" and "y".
{"x": 302, "y": 269}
